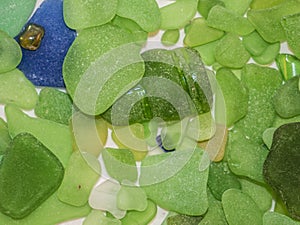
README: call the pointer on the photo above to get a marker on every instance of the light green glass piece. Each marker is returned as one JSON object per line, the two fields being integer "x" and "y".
{"x": 199, "y": 33}
{"x": 237, "y": 6}
{"x": 231, "y": 86}
{"x": 170, "y": 37}
{"x": 204, "y": 6}
{"x": 16, "y": 89}
{"x": 271, "y": 218}
{"x": 144, "y": 12}
{"x": 268, "y": 136}
{"x": 255, "y": 44}
{"x": 267, "y": 21}
{"x": 259, "y": 193}
{"x": 100, "y": 66}
{"x": 5, "y": 138}
{"x": 54, "y": 105}
{"x": 227, "y": 20}
{"x": 78, "y": 181}
{"x": 140, "y": 218}
{"x": 120, "y": 164}
{"x": 132, "y": 198}
{"x": 80, "y": 14}
{"x": 230, "y": 52}
{"x": 263, "y": 4}
{"x": 177, "y": 14}
{"x": 14, "y": 14}
{"x": 269, "y": 55}
{"x": 291, "y": 26}
{"x": 55, "y": 136}
{"x": 52, "y": 211}
{"x": 97, "y": 217}
{"x": 11, "y": 53}
{"x": 207, "y": 52}
{"x": 240, "y": 209}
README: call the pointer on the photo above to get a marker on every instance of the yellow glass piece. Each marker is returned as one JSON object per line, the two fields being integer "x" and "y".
{"x": 31, "y": 38}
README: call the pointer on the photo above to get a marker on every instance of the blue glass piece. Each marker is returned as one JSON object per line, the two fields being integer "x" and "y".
{"x": 159, "y": 142}
{"x": 44, "y": 66}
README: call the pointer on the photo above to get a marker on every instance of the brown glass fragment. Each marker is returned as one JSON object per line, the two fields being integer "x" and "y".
{"x": 32, "y": 36}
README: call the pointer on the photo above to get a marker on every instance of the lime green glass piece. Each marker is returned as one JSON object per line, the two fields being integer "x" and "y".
{"x": 120, "y": 164}
{"x": 231, "y": 86}
{"x": 268, "y": 136}
{"x": 269, "y": 55}
{"x": 80, "y": 14}
{"x": 100, "y": 66}
{"x": 78, "y": 181}
{"x": 132, "y": 198}
{"x": 54, "y": 105}
{"x": 230, "y": 52}
{"x": 204, "y": 6}
{"x": 259, "y": 193}
{"x": 55, "y": 136}
{"x": 11, "y": 53}
{"x": 255, "y": 44}
{"x": 237, "y": 6}
{"x": 226, "y": 20}
{"x": 97, "y": 217}
{"x": 144, "y": 12}
{"x": 52, "y": 211}
{"x": 263, "y": 4}
{"x": 288, "y": 65}
{"x": 177, "y": 14}
{"x": 14, "y": 14}
{"x": 267, "y": 21}
{"x": 170, "y": 37}
{"x": 140, "y": 218}
{"x": 271, "y": 218}
{"x": 240, "y": 209}
{"x": 291, "y": 26}
{"x": 16, "y": 89}
{"x": 207, "y": 52}
{"x": 29, "y": 174}
{"x": 5, "y": 138}
{"x": 31, "y": 37}
{"x": 199, "y": 33}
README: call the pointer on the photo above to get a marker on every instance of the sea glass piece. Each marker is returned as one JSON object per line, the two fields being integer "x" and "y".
{"x": 5, "y": 138}
{"x": 78, "y": 181}
{"x": 132, "y": 198}
{"x": 254, "y": 43}
{"x": 177, "y": 14}
{"x": 237, "y": 6}
{"x": 263, "y": 4}
{"x": 185, "y": 191}
{"x": 14, "y": 14}
{"x": 95, "y": 71}
{"x": 207, "y": 52}
{"x": 54, "y": 105}
{"x": 183, "y": 220}
{"x": 269, "y": 55}
{"x": 284, "y": 156}
{"x": 52, "y": 211}
{"x": 120, "y": 164}
{"x": 55, "y": 136}
{"x": 81, "y": 14}
{"x": 287, "y": 98}
{"x": 291, "y": 26}
{"x": 170, "y": 37}
{"x": 224, "y": 19}
{"x": 31, "y": 37}
{"x": 97, "y": 217}
{"x": 11, "y": 53}
{"x": 268, "y": 136}
{"x": 288, "y": 65}
{"x": 44, "y": 66}
{"x": 230, "y": 52}
{"x": 16, "y": 89}
{"x": 267, "y": 21}
{"x": 140, "y": 218}
{"x": 24, "y": 186}
{"x": 271, "y": 218}
{"x": 240, "y": 209}
{"x": 199, "y": 33}
{"x": 204, "y": 6}
{"x": 231, "y": 86}
{"x": 144, "y": 12}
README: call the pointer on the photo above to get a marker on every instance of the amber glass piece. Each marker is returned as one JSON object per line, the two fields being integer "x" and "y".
{"x": 32, "y": 36}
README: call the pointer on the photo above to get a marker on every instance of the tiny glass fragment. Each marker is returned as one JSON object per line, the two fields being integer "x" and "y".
{"x": 32, "y": 36}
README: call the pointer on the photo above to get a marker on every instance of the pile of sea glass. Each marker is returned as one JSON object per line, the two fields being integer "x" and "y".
{"x": 124, "y": 133}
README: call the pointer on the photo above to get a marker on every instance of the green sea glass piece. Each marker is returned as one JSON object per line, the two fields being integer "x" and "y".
{"x": 288, "y": 65}
{"x": 263, "y": 4}
{"x": 144, "y": 12}
{"x": 16, "y": 89}
{"x": 11, "y": 53}
{"x": 207, "y": 52}
{"x": 54, "y": 105}
{"x": 237, "y": 6}
{"x": 269, "y": 55}
{"x": 224, "y": 19}
{"x": 94, "y": 70}
{"x": 255, "y": 44}
{"x": 204, "y": 6}
{"x": 132, "y": 198}
{"x": 97, "y": 217}
{"x": 170, "y": 37}
{"x": 78, "y": 181}
{"x": 183, "y": 220}
{"x": 29, "y": 174}
{"x": 55, "y": 136}
{"x": 284, "y": 156}
{"x": 80, "y": 14}
{"x": 14, "y": 14}
{"x": 5, "y": 138}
